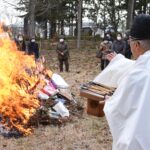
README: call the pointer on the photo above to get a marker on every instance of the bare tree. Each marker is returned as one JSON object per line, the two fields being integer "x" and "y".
{"x": 130, "y": 12}
{"x": 11, "y": 4}
{"x": 32, "y": 5}
{"x": 79, "y": 23}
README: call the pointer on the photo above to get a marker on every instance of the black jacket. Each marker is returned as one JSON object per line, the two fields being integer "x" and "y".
{"x": 33, "y": 49}
{"x": 119, "y": 46}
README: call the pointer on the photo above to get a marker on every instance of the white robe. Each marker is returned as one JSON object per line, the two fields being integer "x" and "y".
{"x": 117, "y": 68}
{"x": 128, "y": 110}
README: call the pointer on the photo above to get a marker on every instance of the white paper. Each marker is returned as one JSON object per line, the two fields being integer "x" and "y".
{"x": 43, "y": 96}
{"x": 61, "y": 109}
{"x": 59, "y": 81}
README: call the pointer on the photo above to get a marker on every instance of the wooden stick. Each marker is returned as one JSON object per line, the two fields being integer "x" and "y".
{"x": 97, "y": 92}
{"x": 97, "y": 89}
{"x": 100, "y": 88}
{"x": 94, "y": 91}
{"x": 102, "y": 85}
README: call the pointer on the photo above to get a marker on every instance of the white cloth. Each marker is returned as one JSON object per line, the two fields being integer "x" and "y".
{"x": 117, "y": 68}
{"x": 127, "y": 111}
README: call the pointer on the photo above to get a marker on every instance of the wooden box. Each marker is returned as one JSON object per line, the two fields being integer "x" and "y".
{"x": 95, "y": 95}
{"x": 95, "y": 103}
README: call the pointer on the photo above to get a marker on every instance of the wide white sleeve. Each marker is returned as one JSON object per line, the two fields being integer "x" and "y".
{"x": 116, "y": 69}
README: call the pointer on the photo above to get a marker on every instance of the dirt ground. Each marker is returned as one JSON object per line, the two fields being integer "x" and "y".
{"x": 85, "y": 133}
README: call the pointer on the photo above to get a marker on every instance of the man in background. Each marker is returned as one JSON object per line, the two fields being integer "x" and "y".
{"x": 63, "y": 54}
{"x": 33, "y": 48}
{"x": 128, "y": 53}
{"x": 20, "y": 42}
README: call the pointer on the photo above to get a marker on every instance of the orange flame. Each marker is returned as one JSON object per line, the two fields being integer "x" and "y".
{"x": 17, "y": 104}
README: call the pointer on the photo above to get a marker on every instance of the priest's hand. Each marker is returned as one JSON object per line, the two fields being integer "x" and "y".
{"x": 111, "y": 56}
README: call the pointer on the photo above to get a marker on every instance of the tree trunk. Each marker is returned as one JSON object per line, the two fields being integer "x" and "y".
{"x": 104, "y": 19}
{"x": 25, "y": 27}
{"x": 62, "y": 27}
{"x": 113, "y": 16}
{"x": 71, "y": 20}
{"x": 45, "y": 29}
{"x": 32, "y": 5}
{"x": 79, "y": 23}
{"x": 130, "y": 13}
{"x": 71, "y": 27}
{"x": 144, "y": 6}
{"x": 53, "y": 29}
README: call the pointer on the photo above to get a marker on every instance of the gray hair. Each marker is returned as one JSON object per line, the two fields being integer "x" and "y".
{"x": 145, "y": 44}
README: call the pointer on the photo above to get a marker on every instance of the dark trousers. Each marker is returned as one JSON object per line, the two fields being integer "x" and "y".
{"x": 64, "y": 61}
{"x": 104, "y": 63}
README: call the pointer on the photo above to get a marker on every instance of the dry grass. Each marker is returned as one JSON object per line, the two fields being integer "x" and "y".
{"x": 86, "y": 133}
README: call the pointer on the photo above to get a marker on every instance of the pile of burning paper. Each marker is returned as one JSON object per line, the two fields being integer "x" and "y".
{"x": 56, "y": 102}
{"x": 29, "y": 93}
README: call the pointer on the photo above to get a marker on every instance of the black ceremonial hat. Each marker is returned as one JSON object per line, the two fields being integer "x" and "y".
{"x": 140, "y": 28}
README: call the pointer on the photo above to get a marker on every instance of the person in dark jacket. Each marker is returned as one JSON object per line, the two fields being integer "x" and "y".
{"x": 128, "y": 52}
{"x": 63, "y": 54}
{"x": 20, "y": 43}
{"x": 33, "y": 48}
{"x": 119, "y": 45}
{"x": 108, "y": 37}
{"x": 104, "y": 49}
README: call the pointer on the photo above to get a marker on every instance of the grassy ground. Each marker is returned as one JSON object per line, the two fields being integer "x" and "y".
{"x": 85, "y": 133}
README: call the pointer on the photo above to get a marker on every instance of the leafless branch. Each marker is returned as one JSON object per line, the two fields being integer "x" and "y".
{"x": 5, "y": 1}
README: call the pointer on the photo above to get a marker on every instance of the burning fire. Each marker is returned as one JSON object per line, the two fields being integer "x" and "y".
{"x": 17, "y": 100}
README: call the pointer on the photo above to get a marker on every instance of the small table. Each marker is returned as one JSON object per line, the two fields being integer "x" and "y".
{"x": 95, "y": 102}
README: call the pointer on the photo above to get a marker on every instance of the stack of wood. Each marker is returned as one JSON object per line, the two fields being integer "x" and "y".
{"x": 95, "y": 94}
{"x": 97, "y": 88}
